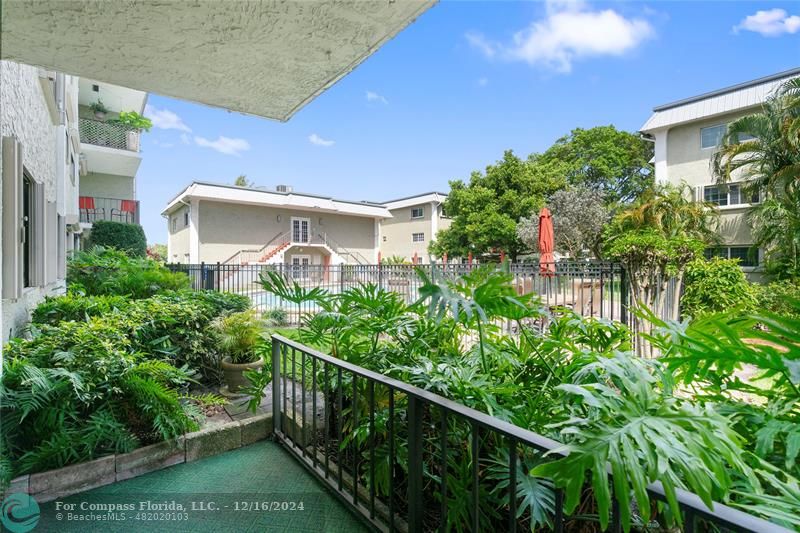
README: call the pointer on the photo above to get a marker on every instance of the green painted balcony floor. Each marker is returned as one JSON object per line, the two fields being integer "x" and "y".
{"x": 256, "y": 474}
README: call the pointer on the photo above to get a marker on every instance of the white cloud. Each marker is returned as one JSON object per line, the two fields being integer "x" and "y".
{"x": 483, "y": 82}
{"x": 569, "y": 31}
{"x": 319, "y": 141}
{"x": 224, "y": 145}
{"x": 770, "y": 23}
{"x": 163, "y": 144}
{"x": 375, "y": 97}
{"x": 185, "y": 139}
{"x": 165, "y": 119}
{"x": 478, "y": 41}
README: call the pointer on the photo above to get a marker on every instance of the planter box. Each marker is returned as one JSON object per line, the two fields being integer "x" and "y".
{"x": 213, "y": 440}
{"x": 54, "y": 484}
{"x": 255, "y": 428}
{"x": 150, "y": 458}
{"x": 47, "y": 486}
{"x": 18, "y": 484}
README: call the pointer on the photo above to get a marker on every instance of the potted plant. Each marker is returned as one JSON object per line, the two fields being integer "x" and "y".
{"x": 99, "y": 109}
{"x": 238, "y": 335}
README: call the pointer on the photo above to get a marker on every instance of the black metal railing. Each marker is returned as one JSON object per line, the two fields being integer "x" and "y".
{"x": 406, "y": 459}
{"x": 596, "y": 289}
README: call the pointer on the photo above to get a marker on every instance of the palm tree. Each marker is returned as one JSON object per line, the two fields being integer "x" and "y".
{"x": 763, "y": 151}
{"x": 654, "y": 239}
{"x": 775, "y": 225}
{"x": 670, "y": 210}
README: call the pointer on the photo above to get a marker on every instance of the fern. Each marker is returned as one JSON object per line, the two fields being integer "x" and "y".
{"x": 160, "y": 405}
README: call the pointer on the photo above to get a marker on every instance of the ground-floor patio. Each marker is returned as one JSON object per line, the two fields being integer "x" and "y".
{"x": 256, "y": 488}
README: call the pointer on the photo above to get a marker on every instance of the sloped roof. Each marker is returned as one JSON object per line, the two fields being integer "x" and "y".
{"x": 729, "y": 99}
{"x": 217, "y": 192}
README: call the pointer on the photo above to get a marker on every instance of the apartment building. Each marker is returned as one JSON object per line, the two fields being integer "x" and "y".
{"x": 414, "y": 223}
{"x": 110, "y": 153}
{"x": 39, "y": 177}
{"x": 686, "y": 134}
{"x": 61, "y": 169}
{"x": 209, "y": 222}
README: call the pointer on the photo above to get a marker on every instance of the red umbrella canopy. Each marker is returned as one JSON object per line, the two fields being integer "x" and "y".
{"x": 546, "y": 244}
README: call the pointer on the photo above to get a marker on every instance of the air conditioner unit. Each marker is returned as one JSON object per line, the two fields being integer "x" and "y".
{"x": 284, "y": 188}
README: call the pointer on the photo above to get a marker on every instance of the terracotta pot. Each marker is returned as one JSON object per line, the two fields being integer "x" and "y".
{"x": 234, "y": 373}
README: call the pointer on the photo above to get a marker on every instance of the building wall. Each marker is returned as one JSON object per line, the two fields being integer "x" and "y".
{"x": 686, "y": 161}
{"x": 108, "y": 186}
{"x": 689, "y": 163}
{"x": 396, "y": 233}
{"x": 25, "y": 116}
{"x": 226, "y": 228}
{"x": 178, "y": 240}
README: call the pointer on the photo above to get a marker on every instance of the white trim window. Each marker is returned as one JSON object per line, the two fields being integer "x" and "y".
{"x": 748, "y": 256}
{"x": 417, "y": 237}
{"x": 711, "y": 136}
{"x": 300, "y": 229}
{"x": 417, "y": 212}
{"x": 724, "y": 195}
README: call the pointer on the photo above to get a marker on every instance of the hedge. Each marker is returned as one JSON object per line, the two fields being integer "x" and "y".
{"x": 129, "y": 238}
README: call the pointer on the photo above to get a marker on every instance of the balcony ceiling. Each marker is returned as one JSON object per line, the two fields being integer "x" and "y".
{"x": 114, "y": 97}
{"x": 266, "y": 58}
{"x": 104, "y": 160}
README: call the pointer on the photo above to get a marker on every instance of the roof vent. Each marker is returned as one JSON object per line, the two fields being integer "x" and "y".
{"x": 284, "y": 188}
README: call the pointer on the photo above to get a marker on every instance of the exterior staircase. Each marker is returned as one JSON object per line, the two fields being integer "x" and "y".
{"x": 261, "y": 255}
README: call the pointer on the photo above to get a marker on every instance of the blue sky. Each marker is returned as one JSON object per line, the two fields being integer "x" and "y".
{"x": 464, "y": 83}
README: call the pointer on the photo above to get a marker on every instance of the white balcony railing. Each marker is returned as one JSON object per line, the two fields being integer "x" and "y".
{"x": 109, "y": 134}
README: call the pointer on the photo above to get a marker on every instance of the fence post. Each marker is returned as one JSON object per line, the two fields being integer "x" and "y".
{"x": 623, "y": 295}
{"x": 276, "y": 386}
{"x": 415, "y": 510}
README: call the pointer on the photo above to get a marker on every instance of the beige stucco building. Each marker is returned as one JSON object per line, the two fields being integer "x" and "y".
{"x": 414, "y": 224}
{"x": 209, "y": 223}
{"x": 686, "y": 134}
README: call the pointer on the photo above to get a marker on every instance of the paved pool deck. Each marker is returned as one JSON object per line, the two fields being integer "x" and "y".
{"x": 258, "y": 488}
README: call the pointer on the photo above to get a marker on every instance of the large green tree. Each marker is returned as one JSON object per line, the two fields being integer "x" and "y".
{"x": 613, "y": 162}
{"x": 485, "y": 211}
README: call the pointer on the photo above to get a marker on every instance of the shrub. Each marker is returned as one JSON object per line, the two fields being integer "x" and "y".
{"x": 102, "y": 271}
{"x": 127, "y": 237}
{"x": 77, "y": 391}
{"x": 276, "y": 317}
{"x": 219, "y": 303}
{"x": 780, "y": 297}
{"x": 715, "y": 285}
{"x": 76, "y": 307}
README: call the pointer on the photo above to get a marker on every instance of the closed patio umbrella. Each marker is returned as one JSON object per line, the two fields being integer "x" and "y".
{"x": 546, "y": 261}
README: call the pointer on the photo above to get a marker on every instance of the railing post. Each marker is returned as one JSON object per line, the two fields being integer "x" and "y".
{"x": 415, "y": 511}
{"x": 623, "y": 295}
{"x": 276, "y": 385}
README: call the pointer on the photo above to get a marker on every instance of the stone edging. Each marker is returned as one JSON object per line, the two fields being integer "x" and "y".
{"x": 54, "y": 484}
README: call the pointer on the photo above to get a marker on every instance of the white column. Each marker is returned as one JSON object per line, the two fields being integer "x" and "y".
{"x": 434, "y": 224}
{"x": 194, "y": 236}
{"x": 662, "y": 174}
{"x": 377, "y": 233}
